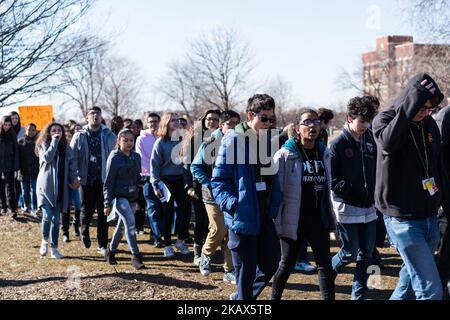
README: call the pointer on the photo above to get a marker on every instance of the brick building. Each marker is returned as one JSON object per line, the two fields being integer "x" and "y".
{"x": 396, "y": 58}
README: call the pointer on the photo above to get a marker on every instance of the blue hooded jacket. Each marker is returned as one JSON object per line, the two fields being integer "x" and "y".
{"x": 234, "y": 187}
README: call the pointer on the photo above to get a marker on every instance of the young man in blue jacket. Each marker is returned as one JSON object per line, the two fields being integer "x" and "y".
{"x": 246, "y": 189}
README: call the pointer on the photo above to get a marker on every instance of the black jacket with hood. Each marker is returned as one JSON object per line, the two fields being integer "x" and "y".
{"x": 353, "y": 168}
{"x": 399, "y": 190}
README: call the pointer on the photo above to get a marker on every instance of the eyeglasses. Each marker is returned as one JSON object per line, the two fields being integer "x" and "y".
{"x": 309, "y": 122}
{"x": 426, "y": 109}
{"x": 212, "y": 119}
{"x": 264, "y": 118}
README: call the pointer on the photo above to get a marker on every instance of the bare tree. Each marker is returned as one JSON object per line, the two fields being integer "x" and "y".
{"x": 84, "y": 82}
{"x": 281, "y": 91}
{"x": 34, "y": 44}
{"x": 122, "y": 88}
{"x": 181, "y": 87}
{"x": 429, "y": 18}
{"x": 223, "y": 64}
{"x": 215, "y": 73}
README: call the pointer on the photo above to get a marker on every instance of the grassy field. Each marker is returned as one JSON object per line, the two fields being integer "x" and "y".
{"x": 83, "y": 274}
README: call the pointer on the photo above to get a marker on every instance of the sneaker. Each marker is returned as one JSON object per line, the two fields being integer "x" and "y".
{"x": 110, "y": 257}
{"x": 182, "y": 247}
{"x": 197, "y": 260}
{"x": 136, "y": 260}
{"x": 87, "y": 242}
{"x": 14, "y": 215}
{"x": 141, "y": 232}
{"x": 101, "y": 251}
{"x": 66, "y": 238}
{"x": 76, "y": 231}
{"x": 233, "y": 296}
{"x": 205, "y": 265}
{"x": 168, "y": 252}
{"x": 304, "y": 266}
{"x": 55, "y": 254}
{"x": 229, "y": 277}
{"x": 34, "y": 213}
{"x": 3, "y": 211}
{"x": 158, "y": 243}
{"x": 44, "y": 248}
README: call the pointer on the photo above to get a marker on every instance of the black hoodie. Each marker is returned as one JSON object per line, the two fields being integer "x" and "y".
{"x": 399, "y": 191}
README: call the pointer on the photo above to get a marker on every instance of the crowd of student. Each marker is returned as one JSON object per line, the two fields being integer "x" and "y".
{"x": 261, "y": 194}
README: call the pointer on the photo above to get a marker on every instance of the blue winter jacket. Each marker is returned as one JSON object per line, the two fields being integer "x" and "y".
{"x": 234, "y": 188}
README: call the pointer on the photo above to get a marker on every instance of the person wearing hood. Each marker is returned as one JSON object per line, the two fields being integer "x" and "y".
{"x": 20, "y": 134}
{"x": 245, "y": 187}
{"x": 443, "y": 122}
{"x": 353, "y": 162}
{"x": 202, "y": 168}
{"x": 144, "y": 147}
{"x": 411, "y": 185}
{"x": 305, "y": 175}
{"x": 91, "y": 147}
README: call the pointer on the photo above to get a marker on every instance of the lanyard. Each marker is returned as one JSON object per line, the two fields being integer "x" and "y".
{"x": 424, "y": 162}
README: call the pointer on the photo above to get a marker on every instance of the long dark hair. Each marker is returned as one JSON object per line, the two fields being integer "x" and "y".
{"x": 45, "y": 139}
{"x": 10, "y": 135}
{"x": 18, "y": 126}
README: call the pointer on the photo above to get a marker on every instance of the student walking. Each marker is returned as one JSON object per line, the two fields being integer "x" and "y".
{"x": 91, "y": 147}
{"x": 202, "y": 168}
{"x": 353, "y": 163}
{"x": 123, "y": 176}
{"x": 304, "y": 174}
{"x": 166, "y": 167}
{"x": 410, "y": 186}
{"x": 57, "y": 173}
{"x": 248, "y": 194}
{"x": 9, "y": 164}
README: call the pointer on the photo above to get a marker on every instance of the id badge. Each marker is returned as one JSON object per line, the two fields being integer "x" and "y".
{"x": 261, "y": 186}
{"x": 93, "y": 159}
{"x": 431, "y": 186}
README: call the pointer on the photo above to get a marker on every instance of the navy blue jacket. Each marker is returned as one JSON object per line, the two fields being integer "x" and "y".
{"x": 353, "y": 167}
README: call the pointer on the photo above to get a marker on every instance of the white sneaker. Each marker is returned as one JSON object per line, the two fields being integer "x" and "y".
{"x": 55, "y": 254}
{"x": 168, "y": 252}
{"x": 101, "y": 251}
{"x": 182, "y": 247}
{"x": 44, "y": 248}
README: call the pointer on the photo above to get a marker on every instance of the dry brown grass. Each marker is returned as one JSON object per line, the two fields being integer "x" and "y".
{"x": 25, "y": 275}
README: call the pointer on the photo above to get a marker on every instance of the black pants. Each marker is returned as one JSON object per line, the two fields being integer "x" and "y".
{"x": 310, "y": 229}
{"x": 139, "y": 214}
{"x": 91, "y": 200}
{"x": 381, "y": 231}
{"x": 179, "y": 195}
{"x": 7, "y": 191}
{"x": 65, "y": 222}
{"x": 201, "y": 218}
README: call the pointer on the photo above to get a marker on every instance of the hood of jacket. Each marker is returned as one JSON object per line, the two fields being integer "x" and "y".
{"x": 435, "y": 98}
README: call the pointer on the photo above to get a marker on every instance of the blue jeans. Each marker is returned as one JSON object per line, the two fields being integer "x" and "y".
{"x": 125, "y": 210}
{"x": 153, "y": 210}
{"x": 50, "y": 225}
{"x": 416, "y": 241}
{"x": 358, "y": 243}
{"x": 74, "y": 196}
{"x": 29, "y": 197}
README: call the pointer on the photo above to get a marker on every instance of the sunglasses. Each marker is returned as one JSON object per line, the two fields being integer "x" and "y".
{"x": 309, "y": 122}
{"x": 264, "y": 118}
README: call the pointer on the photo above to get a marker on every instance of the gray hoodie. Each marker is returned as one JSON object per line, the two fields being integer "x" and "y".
{"x": 47, "y": 181}
{"x": 162, "y": 165}
{"x": 80, "y": 147}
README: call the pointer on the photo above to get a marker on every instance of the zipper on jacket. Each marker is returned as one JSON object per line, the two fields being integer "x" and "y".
{"x": 362, "y": 142}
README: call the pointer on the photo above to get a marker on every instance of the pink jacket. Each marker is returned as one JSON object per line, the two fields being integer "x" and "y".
{"x": 144, "y": 146}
